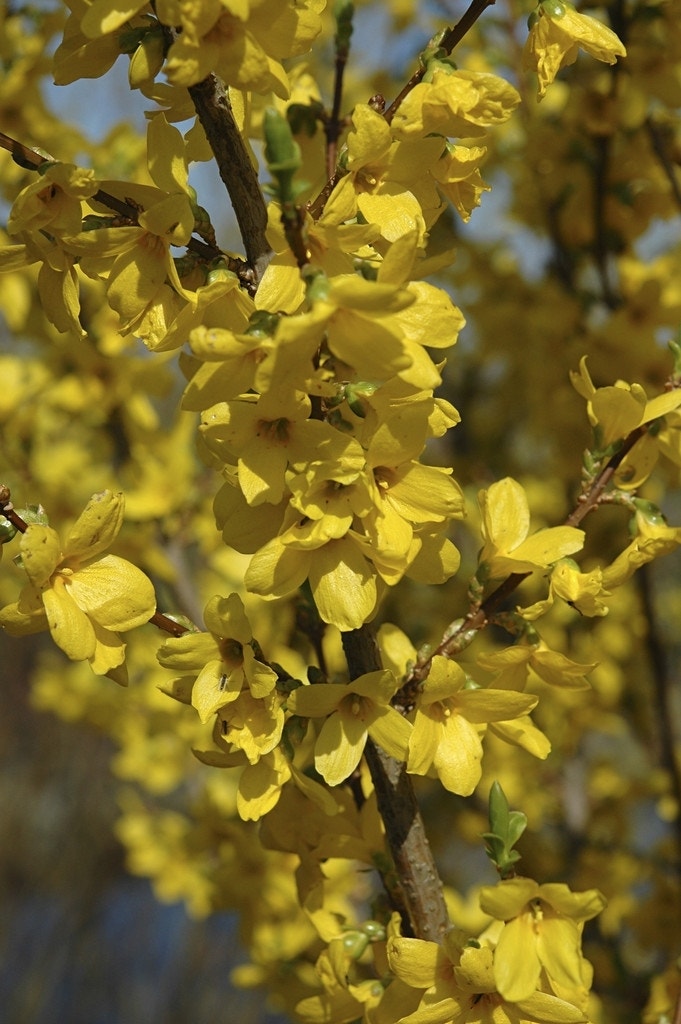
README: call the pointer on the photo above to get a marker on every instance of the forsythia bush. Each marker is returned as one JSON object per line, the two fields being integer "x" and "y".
{"x": 374, "y": 569}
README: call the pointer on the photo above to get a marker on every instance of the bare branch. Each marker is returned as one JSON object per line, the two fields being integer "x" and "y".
{"x": 236, "y": 169}
{"x": 421, "y": 887}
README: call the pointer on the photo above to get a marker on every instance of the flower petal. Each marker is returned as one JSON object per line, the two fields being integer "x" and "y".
{"x": 70, "y": 627}
{"x": 96, "y": 527}
{"x": 40, "y": 553}
{"x": 114, "y": 592}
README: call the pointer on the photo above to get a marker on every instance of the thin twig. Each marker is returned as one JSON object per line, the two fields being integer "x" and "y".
{"x": 663, "y": 705}
{"x": 30, "y": 160}
{"x": 660, "y": 150}
{"x": 168, "y": 625}
{"x": 451, "y": 38}
{"x": 455, "y": 640}
{"x": 7, "y": 510}
{"x": 332, "y": 126}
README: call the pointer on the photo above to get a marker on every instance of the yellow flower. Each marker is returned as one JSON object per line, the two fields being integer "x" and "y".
{"x": 142, "y": 260}
{"x": 654, "y": 538}
{"x": 445, "y": 736}
{"x": 542, "y": 931}
{"x": 460, "y": 986}
{"x": 261, "y": 784}
{"x": 244, "y": 43}
{"x": 222, "y": 660}
{"x": 582, "y": 590}
{"x": 79, "y": 57}
{"x": 53, "y": 201}
{"x": 557, "y": 32}
{"x": 458, "y": 104}
{"x": 269, "y": 435}
{"x": 57, "y": 277}
{"x": 330, "y": 242}
{"x": 342, "y": 580}
{"x": 505, "y": 527}
{"x": 84, "y": 600}
{"x": 617, "y": 410}
{"x": 356, "y": 711}
{"x": 457, "y": 172}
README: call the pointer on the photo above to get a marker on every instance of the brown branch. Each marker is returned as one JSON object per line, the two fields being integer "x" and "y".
{"x": 236, "y": 169}
{"x": 663, "y": 709}
{"x": 167, "y": 624}
{"x": 451, "y": 38}
{"x": 677, "y": 1009}
{"x": 589, "y": 501}
{"x": 30, "y": 160}
{"x": 421, "y": 899}
{"x": 333, "y": 124}
{"x": 659, "y": 148}
{"x": 7, "y": 510}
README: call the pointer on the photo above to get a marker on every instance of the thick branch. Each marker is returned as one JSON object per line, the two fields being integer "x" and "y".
{"x": 413, "y": 859}
{"x": 236, "y": 169}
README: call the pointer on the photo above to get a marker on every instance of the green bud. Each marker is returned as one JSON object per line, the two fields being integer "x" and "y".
{"x": 7, "y": 531}
{"x": 147, "y": 58}
{"x": 130, "y": 38}
{"x": 281, "y": 151}
{"x": 219, "y": 271}
{"x": 317, "y": 284}
{"x": 263, "y": 324}
{"x": 343, "y": 12}
{"x": 374, "y": 931}
{"x": 354, "y": 943}
{"x": 356, "y": 395}
{"x": 304, "y": 117}
{"x": 506, "y": 828}
{"x": 649, "y": 511}
{"x": 555, "y": 9}
{"x": 92, "y": 222}
{"x": 33, "y": 514}
{"x": 675, "y": 349}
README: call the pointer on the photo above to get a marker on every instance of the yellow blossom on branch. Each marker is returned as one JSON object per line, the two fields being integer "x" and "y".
{"x": 356, "y": 711}
{"x": 505, "y": 528}
{"x": 456, "y": 104}
{"x": 460, "y": 986}
{"x": 222, "y": 660}
{"x": 542, "y": 931}
{"x": 446, "y": 735}
{"x": 557, "y": 33}
{"x": 83, "y": 599}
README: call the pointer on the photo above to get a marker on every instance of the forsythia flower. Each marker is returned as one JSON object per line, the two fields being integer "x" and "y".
{"x": 557, "y": 31}
{"x": 460, "y": 986}
{"x": 542, "y": 931}
{"x": 620, "y": 408}
{"x": 222, "y": 659}
{"x": 456, "y": 104}
{"x": 582, "y": 590}
{"x": 356, "y": 711}
{"x": 84, "y": 600}
{"x": 445, "y": 736}
{"x": 505, "y": 527}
